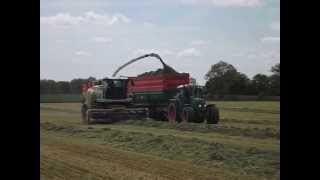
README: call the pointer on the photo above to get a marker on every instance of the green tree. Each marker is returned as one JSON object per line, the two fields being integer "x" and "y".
{"x": 240, "y": 84}
{"x": 223, "y": 78}
{"x": 51, "y": 85}
{"x": 63, "y": 87}
{"x": 260, "y": 84}
{"x": 43, "y": 87}
{"x": 75, "y": 85}
{"x": 276, "y": 69}
{"x": 275, "y": 80}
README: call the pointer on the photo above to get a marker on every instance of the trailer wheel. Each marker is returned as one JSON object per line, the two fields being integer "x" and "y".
{"x": 212, "y": 115}
{"x": 84, "y": 109}
{"x": 187, "y": 115}
{"x": 172, "y": 113}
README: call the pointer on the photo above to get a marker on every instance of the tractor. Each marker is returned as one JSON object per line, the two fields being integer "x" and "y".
{"x": 165, "y": 95}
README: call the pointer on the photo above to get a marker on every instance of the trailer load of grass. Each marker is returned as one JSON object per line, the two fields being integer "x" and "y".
{"x": 165, "y": 70}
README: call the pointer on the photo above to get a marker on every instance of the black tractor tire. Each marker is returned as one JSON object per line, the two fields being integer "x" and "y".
{"x": 172, "y": 113}
{"x": 199, "y": 117}
{"x": 187, "y": 115}
{"x": 212, "y": 115}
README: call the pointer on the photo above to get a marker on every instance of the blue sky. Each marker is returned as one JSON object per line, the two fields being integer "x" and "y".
{"x": 93, "y": 37}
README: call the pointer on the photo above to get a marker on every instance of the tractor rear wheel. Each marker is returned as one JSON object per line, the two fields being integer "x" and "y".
{"x": 187, "y": 115}
{"x": 212, "y": 115}
{"x": 172, "y": 113}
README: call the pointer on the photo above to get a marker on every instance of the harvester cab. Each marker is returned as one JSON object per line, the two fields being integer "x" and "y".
{"x": 115, "y": 89}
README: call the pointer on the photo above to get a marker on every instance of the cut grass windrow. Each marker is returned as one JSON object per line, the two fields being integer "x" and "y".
{"x": 242, "y": 160}
{"x": 207, "y": 128}
{"x": 71, "y": 158}
{"x": 241, "y": 109}
{"x": 266, "y": 132}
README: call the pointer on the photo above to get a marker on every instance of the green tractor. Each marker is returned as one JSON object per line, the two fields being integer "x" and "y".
{"x": 162, "y": 95}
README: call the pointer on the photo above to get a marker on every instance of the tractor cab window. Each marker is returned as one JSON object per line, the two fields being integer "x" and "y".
{"x": 185, "y": 95}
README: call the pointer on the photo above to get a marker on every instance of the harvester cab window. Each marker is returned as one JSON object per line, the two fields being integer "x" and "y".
{"x": 116, "y": 89}
{"x": 117, "y": 84}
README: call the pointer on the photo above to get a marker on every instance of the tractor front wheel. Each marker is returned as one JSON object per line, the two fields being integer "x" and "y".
{"x": 187, "y": 115}
{"x": 212, "y": 115}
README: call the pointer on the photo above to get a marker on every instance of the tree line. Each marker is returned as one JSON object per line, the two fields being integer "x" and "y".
{"x": 224, "y": 79}
{"x": 221, "y": 79}
{"x": 62, "y": 87}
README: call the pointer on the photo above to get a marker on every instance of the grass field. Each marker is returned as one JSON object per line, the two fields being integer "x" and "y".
{"x": 245, "y": 145}
{"x": 60, "y": 98}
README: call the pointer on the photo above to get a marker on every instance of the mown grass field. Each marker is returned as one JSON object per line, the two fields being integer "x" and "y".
{"x": 245, "y": 145}
{"x": 60, "y": 98}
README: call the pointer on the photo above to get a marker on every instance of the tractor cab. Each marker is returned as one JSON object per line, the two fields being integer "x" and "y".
{"x": 191, "y": 91}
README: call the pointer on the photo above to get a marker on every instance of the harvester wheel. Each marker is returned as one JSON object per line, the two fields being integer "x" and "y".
{"x": 187, "y": 115}
{"x": 88, "y": 118}
{"x": 84, "y": 109}
{"x": 172, "y": 113}
{"x": 212, "y": 115}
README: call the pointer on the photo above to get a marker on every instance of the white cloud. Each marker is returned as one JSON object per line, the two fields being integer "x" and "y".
{"x": 189, "y": 1}
{"x": 199, "y": 42}
{"x": 275, "y": 26}
{"x": 65, "y": 19}
{"x": 270, "y": 56}
{"x": 270, "y": 39}
{"x": 241, "y": 3}
{"x": 83, "y": 53}
{"x": 61, "y": 19}
{"x": 105, "y": 19}
{"x": 163, "y": 52}
{"x": 189, "y": 53}
{"x": 252, "y": 56}
{"x": 62, "y": 41}
{"x": 225, "y": 3}
{"x": 148, "y": 25}
{"x": 101, "y": 40}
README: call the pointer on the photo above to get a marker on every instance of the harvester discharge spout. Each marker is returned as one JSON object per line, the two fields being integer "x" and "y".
{"x": 165, "y": 66}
